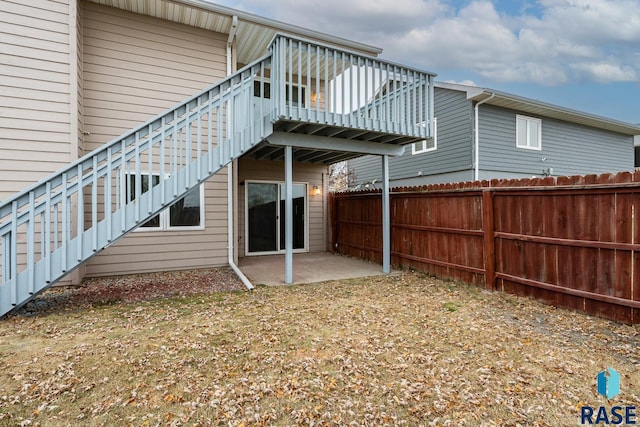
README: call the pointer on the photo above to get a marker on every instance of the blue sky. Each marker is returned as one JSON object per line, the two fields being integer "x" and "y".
{"x": 581, "y": 54}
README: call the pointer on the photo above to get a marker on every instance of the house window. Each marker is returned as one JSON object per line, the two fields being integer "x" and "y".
{"x": 293, "y": 88}
{"x": 528, "y": 132}
{"x": 186, "y": 213}
{"x": 427, "y": 144}
{"x": 153, "y": 223}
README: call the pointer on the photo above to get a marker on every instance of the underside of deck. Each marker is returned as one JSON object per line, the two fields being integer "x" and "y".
{"x": 329, "y": 153}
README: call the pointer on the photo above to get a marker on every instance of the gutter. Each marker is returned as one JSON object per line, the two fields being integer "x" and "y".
{"x": 477, "y": 136}
{"x": 230, "y": 218}
{"x": 232, "y": 35}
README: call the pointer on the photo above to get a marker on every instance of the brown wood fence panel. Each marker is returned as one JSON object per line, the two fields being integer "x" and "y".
{"x": 359, "y": 227}
{"x": 571, "y": 242}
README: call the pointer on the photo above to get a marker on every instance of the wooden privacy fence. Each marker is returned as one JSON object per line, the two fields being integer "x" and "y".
{"x": 571, "y": 242}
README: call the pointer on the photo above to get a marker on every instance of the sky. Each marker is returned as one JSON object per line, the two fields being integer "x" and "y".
{"x": 580, "y": 54}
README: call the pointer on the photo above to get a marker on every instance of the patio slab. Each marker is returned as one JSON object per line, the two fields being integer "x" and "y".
{"x": 307, "y": 268}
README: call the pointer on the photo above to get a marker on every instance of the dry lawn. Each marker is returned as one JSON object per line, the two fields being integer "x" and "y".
{"x": 397, "y": 350}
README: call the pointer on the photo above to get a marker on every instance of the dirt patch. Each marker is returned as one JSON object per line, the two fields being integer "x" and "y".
{"x": 131, "y": 288}
{"x": 390, "y": 350}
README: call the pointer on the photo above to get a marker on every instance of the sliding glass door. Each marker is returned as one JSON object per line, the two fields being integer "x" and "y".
{"x": 262, "y": 217}
{"x": 265, "y": 217}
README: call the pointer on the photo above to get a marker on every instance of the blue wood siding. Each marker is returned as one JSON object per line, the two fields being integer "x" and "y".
{"x": 567, "y": 148}
{"x": 453, "y": 155}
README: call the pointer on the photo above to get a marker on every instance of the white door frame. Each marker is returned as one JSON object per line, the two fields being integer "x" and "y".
{"x": 278, "y": 213}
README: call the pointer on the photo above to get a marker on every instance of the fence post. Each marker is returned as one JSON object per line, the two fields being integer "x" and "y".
{"x": 488, "y": 226}
{"x": 386, "y": 217}
{"x": 332, "y": 201}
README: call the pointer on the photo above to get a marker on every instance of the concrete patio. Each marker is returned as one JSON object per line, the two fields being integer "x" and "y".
{"x": 307, "y": 268}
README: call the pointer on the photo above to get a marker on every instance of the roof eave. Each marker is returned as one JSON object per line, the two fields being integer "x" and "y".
{"x": 282, "y": 26}
{"x": 527, "y": 105}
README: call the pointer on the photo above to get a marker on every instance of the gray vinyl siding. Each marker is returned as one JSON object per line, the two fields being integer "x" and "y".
{"x": 34, "y": 86}
{"x": 457, "y": 176}
{"x": 568, "y": 148}
{"x": 134, "y": 67}
{"x": 365, "y": 169}
{"x": 451, "y": 159}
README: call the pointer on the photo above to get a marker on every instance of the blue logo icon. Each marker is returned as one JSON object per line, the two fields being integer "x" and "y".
{"x": 609, "y": 383}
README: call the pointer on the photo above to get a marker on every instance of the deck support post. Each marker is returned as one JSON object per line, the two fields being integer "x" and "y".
{"x": 386, "y": 217}
{"x": 288, "y": 214}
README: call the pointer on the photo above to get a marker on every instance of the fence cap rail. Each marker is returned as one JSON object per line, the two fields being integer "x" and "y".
{"x": 623, "y": 179}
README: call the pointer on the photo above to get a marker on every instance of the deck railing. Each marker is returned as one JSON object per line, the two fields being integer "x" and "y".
{"x": 321, "y": 84}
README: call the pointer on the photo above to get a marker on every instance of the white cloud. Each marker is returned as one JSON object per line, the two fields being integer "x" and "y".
{"x": 603, "y": 72}
{"x": 463, "y": 82}
{"x": 568, "y": 42}
{"x": 548, "y": 42}
{"x": 592, "y": 21}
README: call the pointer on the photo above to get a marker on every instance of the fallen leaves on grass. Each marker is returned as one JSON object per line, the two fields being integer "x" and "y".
{"x": 386, "y": 350}
{"x": 132, "y": 288}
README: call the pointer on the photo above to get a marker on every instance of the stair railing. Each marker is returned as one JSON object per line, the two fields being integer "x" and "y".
{"x": 52, "y": 227}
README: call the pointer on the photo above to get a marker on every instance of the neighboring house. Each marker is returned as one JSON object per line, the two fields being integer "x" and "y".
{"x": 205, "y": 130}
{"x": 483, "y": 134}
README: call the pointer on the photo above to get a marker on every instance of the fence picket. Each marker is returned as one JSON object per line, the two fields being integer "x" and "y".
{"x": 571, "y": 241}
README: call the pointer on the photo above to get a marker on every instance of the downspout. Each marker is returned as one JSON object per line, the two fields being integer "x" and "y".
{"x": 476, "y": 174}
{"x": 230, "y": 211}
{"x": 230, "y": 220}
{"x": 232, "y": 35}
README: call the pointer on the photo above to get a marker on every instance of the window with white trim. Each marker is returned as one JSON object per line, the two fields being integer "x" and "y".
{"x": 186, "y": 214}
{"x": 427, "y": 144}
{"x": 528, "y": 132}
